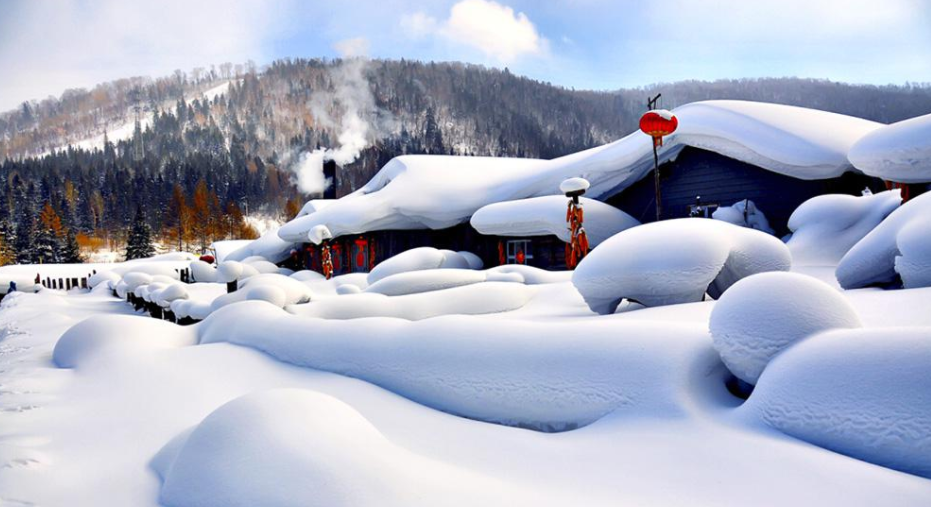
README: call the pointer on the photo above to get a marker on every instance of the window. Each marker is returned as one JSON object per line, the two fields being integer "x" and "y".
{"x": 519, "y": 251}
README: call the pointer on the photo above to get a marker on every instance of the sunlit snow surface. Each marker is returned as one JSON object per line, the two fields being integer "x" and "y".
{"x": 531, "y": 400}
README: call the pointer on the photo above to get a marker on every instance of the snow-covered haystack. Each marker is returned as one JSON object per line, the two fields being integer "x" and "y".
{"x": 762, "y": 315}
{"x": 745, "y": 214}
{"x": 914, "y": 263}
{"x": 279, "y": 290}
{"x": 675, "y": 261}
{"x": 899, "y": 152}
{"x": 545, "y": 375}
{"x": 542, "y": 216}
{"x": 102, "y": 336}
{"x": 824, "y": 228}
{"x": 872, "y": 259}
{"x": 418, "y": 259}
{"x": 426, "y": 297}
{"x": 865, "y": 393}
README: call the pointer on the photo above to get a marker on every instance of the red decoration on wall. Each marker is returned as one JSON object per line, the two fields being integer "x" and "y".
{"x": 577, "y": 248}
{"x": 502, "y": 258}
{"x": 658, "y": 123}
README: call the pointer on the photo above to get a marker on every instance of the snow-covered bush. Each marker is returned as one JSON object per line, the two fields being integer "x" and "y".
{"x": 865, "y": 393}
{"x": 762, "y": 315}
{"x": 872, "y": 259}
{"x": 745, "y": 214}
{"x": 675, "y": 261}
{"x": 824, "y": 228}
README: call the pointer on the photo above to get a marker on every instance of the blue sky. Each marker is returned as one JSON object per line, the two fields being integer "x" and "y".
{"x": 47, "y": 47}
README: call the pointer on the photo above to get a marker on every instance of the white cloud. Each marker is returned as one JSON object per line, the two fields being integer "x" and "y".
{"x": 494, "y": 29}
{"x": 352, "y": 48}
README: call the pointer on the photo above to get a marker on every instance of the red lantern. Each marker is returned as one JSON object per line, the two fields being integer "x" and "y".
{"x": 207, "y": 258}
{"x": 658, "y": 123}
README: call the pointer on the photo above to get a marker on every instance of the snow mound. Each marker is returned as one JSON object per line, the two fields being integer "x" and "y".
{"x": 675, "y": 261}
{"x": 203, "y": 272}
{"x": 315, "y": 451}
{"x": 544, "y": 375}
{"x": 412, "y": 282}
{"x": 914, "y": 263}
{"x": 444, "y": 298}
{"x": 318, "y": 233}
{"x": 865, "y": 393}
{"x": 899, "y": 152}
{"x": 526, "y": 274}
{"x": 102, "y": 336}
{"x": 872, "y": 259}
{"x": 474, "y": 261}
{"x": 103, "y": 277}
{"x": 307, "y": 275}
{"x": 745, "y": 214}
{"x": 824, "y": 228}
{"x": 417, "y": 259}
{"x": 762, "y": 315}
{"x": 543, "y": 216}
{"x": 348, "y": 289}
{"x": 271, "y": 287}
{"x": 135, "y": 279}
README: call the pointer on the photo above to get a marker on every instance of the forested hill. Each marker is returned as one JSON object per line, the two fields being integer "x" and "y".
{"x": 238, "y": 133}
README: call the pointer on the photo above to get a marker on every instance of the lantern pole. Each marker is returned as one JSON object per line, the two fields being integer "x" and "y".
{"x": 651, "y": 105}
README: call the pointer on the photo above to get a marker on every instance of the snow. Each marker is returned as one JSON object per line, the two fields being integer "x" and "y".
{"x": 745, "y": 214}
{"x": 899, "y": 152}
{"x": 440, "y": 191}
{"x": 872, "y": 259}
{"x": 313, "y": 411}
{"x": 824, "y": 228}
{"x": 417, "y": 259}
{"x": 762, "y": 315}
{"x": 574, "y": 185}
{"x": 542, "y": 216}
{"x": 222, "y": 249}
{"x": 412, "y": 282}
{"x": 879, "y": 412}
{"x": 274, "y": 288}
{"x": 203, "y": 272}
{"x": 673, "y": 262}
{"x": 914, "y": 244}
{"x": 318, "y": 234}
{"x": 269, "y": 246}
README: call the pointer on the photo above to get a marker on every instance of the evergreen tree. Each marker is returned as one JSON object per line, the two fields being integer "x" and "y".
{"x": 139, "y": 245}
{"x": 45, "y": 247}
{"x": 70, "y": 250}
{"x": 23, "y": 242}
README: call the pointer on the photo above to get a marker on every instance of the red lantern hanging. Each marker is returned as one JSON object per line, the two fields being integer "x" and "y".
{"x": 657, "y": 124}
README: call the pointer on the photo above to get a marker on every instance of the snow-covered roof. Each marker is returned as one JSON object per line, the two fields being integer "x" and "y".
{"x": 439, "y": 191}
{"x": 543, "y": 216}
{"x": 899, "y": 152}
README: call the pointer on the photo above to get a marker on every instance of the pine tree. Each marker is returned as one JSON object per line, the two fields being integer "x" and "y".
{"x": 45, "y": 247}
{"x": 139, "y": 245}
{"x": 23, "y": 242}
{"x": 70, "y": 251}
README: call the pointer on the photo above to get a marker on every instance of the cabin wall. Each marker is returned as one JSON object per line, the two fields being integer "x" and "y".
{"x": 725, "y": 181}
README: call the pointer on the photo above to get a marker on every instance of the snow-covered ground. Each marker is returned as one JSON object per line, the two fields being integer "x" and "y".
{"x": 511, "y": 392}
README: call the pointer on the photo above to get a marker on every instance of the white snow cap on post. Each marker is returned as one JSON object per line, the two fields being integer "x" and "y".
{"x": 574, "y": 185}
{"x": 318, "y": 233}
